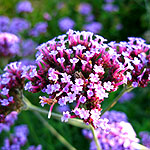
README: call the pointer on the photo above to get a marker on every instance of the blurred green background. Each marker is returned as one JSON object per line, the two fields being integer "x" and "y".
{"x": 134, "y": 18}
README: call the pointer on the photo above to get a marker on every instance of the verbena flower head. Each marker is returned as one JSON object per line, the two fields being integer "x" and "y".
{"x": 18, "y": 25}
{"x": 85, "y": 8}
{"x": 9, "y": 44}
{"x": 39, "y": 28}
{"x": 135, "y": 56}
{"x": 8, "y": 121}
{"x": 126, "y": 97}
{"x": 75, "y": 68}
{"x": 145, "y": 138}
{"x": 110, "y": 7}
{"x": 18, "y": 139}
{"x": 66, "y": 23}
{"x": 47, "y": 16}
{"x": 4, "y": 23}
{"x": 11, "y": 85}
{"x": 120, "y": 136}
{"x": 94, "y": 27}
{"x": 28, "y": 47}
{"x": 24, "y": 6}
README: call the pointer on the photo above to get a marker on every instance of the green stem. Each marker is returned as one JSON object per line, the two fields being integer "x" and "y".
{"x": 138, "y": 146}
{"x": 125, "y": 89}
{"x": 95, "y": 138}
{"x": 54, "y": 132}
{"x": 73, "y": 121}
{"x": 77, "y": 122}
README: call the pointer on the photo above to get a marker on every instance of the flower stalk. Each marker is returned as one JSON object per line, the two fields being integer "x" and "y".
{"x": 73, "y": 121}
{"x": 125, "y": 89}
{"x": 54, "y": 132}
{"x": 95, "y": 138}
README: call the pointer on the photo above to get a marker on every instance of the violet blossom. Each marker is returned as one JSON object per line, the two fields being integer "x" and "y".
{"x": 11, "y": 85}
{"x": 18, "y": 25}
{"x": 28, "y": 47}
{"x": 66, "y": 23}
{"x": 39, "y": 28}
{"x": 134, "y": 54}
{"x": 126, "y": 97}
{"x": 24, "y": 6}
{"x": 145, "y": 138}
{"x": 8, "y": 121}
{"x": 18, "y": 139}
{"x": 120, "y": 135}
{"x": 85, "y": 8}
{"x": 4, "y": 23}
{"x": 9, "y": 44}
{"x": 94, "y": 27}
{"x": 74, "y": 79}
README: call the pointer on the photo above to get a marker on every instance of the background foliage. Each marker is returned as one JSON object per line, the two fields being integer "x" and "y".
{"x": 134, "y": 17}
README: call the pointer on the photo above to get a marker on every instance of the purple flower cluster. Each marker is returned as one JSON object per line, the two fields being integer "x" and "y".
{"x": 47, "y": 16}
{"x": 8, "y": 121}
{"x": 120, "y": 136}
{"x": 24, "y": 6}
{"x": 28, "y": 47}
{"x": 85, "y": 8}
{"x": 18, "y": 139}
{"x": 39, "y": 28}
{"x": 145, "y": 138}
{"x": 109, "y": 6}
{"x": 126, "y": 97}
{"x": 76, "y": 67}
{"x": 4, "y": 23}
{"x": 11, "y": 85}
{"x": 66, "y": 23}
{"x": 9, "y": 44}
{"x": 94, "y": 27}
{"x": 134, "y": 55}
{"x": 18, "y": 25}
{"x": 91, "y": 25}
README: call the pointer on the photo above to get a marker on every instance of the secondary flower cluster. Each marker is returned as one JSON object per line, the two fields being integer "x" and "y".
{"x": 121, "y": 135}
{"x": 127, "y": 97}
{"x": 145, "y": 138}
{"x": 11, "y": 85}
{"x": 18, "y": 139}
{"x": 24, "y": 7}
{"x": 9, "y": 44}
{"x": 135, "y": 56}
{"x": 9, "y": 121}
{"x": 78, "y": 68}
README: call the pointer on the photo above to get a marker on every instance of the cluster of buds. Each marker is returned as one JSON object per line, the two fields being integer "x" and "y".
{"x": 135, "y": 56}
{"x": 9, "y": 44}
{"x": 121, "y": 136}
{"x": 77, "y": 67}
{"x": 11, "y": 85}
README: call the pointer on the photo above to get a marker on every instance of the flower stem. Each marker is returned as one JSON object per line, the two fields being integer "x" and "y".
{"x": 54, "y": 132}
{"x": 75, "y": 122}
{"x": 125, "y": 89}
{"x": 72, "y": 121}
{"x": 139, "y": 146}
{"x": 95, "y": 138}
